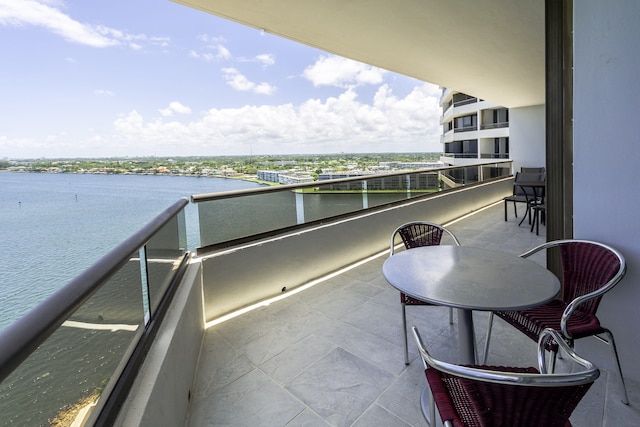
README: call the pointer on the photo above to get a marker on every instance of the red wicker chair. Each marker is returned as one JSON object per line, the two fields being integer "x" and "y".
{"x": 416, "y": 234}
{"x": 496, "y": 396}
{"x": 589, "y": 270}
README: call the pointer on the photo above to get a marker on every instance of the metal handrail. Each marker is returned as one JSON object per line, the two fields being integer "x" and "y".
{"x": 24, "y": 336}
{"x": 494, "y": 125}
{"x": 541, "y": 379}
{"x": 465, "y": 129}
{"x": 466, "y": 101}
{"x": 199, "y": 198}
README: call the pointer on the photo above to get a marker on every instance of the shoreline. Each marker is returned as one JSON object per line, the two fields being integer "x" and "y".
{"x": 248, "y": 178}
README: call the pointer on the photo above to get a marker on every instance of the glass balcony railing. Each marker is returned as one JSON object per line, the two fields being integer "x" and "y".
{"x": 464, "y": 101}
{"x": 494, "y": 125}
{"x": 465, "y": 129}
{"x": 78, "y": 346}
{"x": 82, "y": 347}
{"x": 462, "y": 155}
{"x": 494, "y": 156}
{"x": 242, "y": 214}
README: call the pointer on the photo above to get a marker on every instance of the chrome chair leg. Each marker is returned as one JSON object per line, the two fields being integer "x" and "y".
{"x": 551, "y": 364}
{"x": 428, "y": 406}
{"x": 487, "y": 340}
{"x": 612, "y": 343}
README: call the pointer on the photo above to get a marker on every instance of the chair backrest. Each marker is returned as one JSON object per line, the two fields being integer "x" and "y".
{"x": 420, "y": 233}
{"x": 589, "y": 270}
{"x": 488, "y": 395}
{"x": 527, "y": 177}
{"x": 532, "y": 170}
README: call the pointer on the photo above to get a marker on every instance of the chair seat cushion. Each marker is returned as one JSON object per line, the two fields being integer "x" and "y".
{"x": 407, "y": 300}
{"x": 532, "y": 321}
{"x": 521, "y": 199}
{"x": 469, "y": 403}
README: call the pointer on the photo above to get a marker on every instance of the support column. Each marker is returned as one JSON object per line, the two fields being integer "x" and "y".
{"x": 559, "y": 121}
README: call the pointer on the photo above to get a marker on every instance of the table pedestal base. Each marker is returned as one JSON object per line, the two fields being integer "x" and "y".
{"x": 466, "y": 336}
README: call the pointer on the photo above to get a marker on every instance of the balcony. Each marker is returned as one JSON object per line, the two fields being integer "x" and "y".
{"x": 298, "y": 326}
{"x": 332, "y": 354}
{"x": 494, "y": 125}
{"x": 465, "y": 129}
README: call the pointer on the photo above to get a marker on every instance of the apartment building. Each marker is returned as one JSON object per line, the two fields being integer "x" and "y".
{"x": 472, "y": 129}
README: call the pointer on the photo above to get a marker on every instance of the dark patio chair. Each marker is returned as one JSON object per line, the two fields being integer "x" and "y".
{"x": 497, "y": 396}
{"x": 589, "y": 270}
{"x": 539, "y": 211}
{"x": 416, "y": 234}
{"x": 533, "y": 170}
{"x": 524, "y": 194}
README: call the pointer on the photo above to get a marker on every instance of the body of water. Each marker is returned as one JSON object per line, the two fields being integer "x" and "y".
{"x": 54, "y": 226}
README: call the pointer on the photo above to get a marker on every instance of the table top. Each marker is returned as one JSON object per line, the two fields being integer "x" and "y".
{"x": 471, "y": 278}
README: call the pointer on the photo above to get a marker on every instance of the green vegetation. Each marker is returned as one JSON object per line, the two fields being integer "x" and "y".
{"x": 228, "y": 166}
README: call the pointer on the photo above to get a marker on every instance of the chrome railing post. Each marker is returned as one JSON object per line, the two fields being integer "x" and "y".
{"x": 144, "y": 284}
{"x": 408, "y": 178}
{"x": 299, "y": 208}
{"x": 365, "y": 196}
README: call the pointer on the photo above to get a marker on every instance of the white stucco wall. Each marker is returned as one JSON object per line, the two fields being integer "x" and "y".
{"x": 606, "y": 159}
{"x": 527, "y": 136}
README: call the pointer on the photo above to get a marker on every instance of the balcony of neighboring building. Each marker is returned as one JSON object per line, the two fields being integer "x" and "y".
{"x": 494, "y": 118}
{"x": 465, "y": 123}
{"x": 460, "y": 99}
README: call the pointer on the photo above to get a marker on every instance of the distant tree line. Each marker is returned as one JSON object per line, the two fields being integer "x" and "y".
{"x": 241, "y": 164}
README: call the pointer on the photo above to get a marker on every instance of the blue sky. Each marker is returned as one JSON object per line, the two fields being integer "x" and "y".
{"x": 104, "y": 78}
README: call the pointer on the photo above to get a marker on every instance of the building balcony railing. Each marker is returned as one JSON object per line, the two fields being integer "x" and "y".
{"x": 494, "y": 155}
{"x": 462, "y": 155}
{"x": 494, "y": 125}
{"x": 84, "y": 345}
{"x": 465, "y": 102}
{"x": 465, "y": 129}
{"x": 85, "y": 342}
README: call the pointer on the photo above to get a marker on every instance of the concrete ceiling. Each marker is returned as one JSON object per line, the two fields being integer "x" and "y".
{"x": 492, "y": 49}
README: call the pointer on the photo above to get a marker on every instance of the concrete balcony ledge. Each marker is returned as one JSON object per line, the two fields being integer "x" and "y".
{"x": 330, "y": 354}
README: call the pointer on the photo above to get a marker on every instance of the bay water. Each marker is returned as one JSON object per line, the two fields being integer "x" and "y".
{"x": 54, "y": 226}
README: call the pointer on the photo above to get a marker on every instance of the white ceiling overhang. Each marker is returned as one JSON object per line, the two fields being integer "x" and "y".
{"x": 492, "y": 49}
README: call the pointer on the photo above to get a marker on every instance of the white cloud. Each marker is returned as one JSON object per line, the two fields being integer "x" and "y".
{"x": 220, "y": 53}
{"x": 29, "y": 12}
{"x": 240, "y": 83}
{"x": 215, "y": 49}
{"x": 175, "y": 107}
{"x": 48, "y": 15}
{"x": 337, "y": 124}
{"x": 266, "y": 59}
{"x": 342, "y": 72}
{"x": 103, "y": 92}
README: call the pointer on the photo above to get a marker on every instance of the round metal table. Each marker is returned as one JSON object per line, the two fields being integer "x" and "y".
{"x": 470, "y": 278}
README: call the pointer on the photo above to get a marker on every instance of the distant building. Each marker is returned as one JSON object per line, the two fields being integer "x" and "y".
{"x": 343, "y": 174}
{"x": 472, "y": 129}
{"x": 284, "y": 177}
{"x": 411, "y": 165}
{"x": 295, "y": 178}
{"x": 267, "y": 175}
{"x": 417, "y": 181}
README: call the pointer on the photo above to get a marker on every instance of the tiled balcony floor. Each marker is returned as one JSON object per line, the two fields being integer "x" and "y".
{"x": 333, "y": 354}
